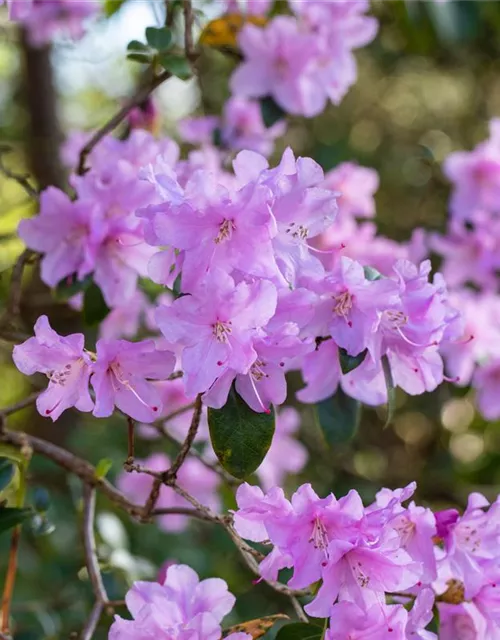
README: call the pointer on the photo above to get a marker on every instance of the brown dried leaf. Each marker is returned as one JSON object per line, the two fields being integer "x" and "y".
{"x": 256, "y": 628}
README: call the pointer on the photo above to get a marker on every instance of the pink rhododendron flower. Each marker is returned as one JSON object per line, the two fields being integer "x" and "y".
{"x": 356, "y": 186}
{"x": 181, "y": 608}
{"x": 64, "y": 361}
{"x": 121, "y": 377}
{"x": 193, "y": 476}
{"x": 277, "y": 62}
{"x": 349, "y": 622}
{"x": 485, "y": 381}
{"x": 217, "y": 327}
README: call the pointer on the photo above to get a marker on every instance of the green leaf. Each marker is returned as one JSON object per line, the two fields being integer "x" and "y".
{"x": 11, "y": 517}
{"x": 137, "y": 47}
{"x": 7, "y": 472}
{"x": 95, "y": 308}
{"x": 143, "y": 58}
{"x": 391, "y": 391}
{"x": 300, "y": 631}
{"x": 103, "y": 467}
{"x": 12, "y": 453}
{"x": 112, "y": 6}
{"x": 159, "y": 38}
{"x": 70, "y": 286}
{"x": 372, "y": 274}
{"x": 338, "y": 417}
{"x": 240, "y": 436}
{"x": 271, "y": 112}
{"x": 348, "y": 363}
{"x": 177, "y": 65}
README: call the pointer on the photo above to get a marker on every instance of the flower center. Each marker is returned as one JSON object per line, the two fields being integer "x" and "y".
{"x": 256, "y": 370}
{"x": 395, "y": 319}
{"x": 319, "y": 535}
{"x": 343, "y": 304}
{"x": 297, "y": 231}
{"x": 60, "y": 377}
{"x": 226, "y": 229}
{"x": 222, "y": 330}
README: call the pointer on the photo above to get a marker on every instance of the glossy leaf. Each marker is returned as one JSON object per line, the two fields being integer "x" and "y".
{"x": 11, "y": 517}
{"x": 240, "y": 436}
{"x": 348, "y": 363}
{"x": 159, "y": 38}
{"x": 271, "y": 112}
{"x": 300, "y": 631}
{"x": 137, "y": 46}
{"x": 7, "y": 472}
{"x": 177, "y": 65}
{"x": 143, "y": 58}
{"x": 338, "y": 417}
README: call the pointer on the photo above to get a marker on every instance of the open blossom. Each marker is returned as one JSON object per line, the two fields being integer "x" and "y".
{"x": 180, "y": 608}
{"x": 193, "y": 476}
{"x": 44, "y": 19}
{"x": 217, "y": 327}
{"x": 122, "y": 374}
{"x": 349, "y": 622}
{"x": 356, "y": 186}
{"x": 64, "y": 361}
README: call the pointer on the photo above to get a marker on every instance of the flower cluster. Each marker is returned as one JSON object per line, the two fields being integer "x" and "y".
{"x": 304, "y": 60}
{"x": 471, "y": 261}
{"x": 44, "y": 19}
{"x": 370, "y": 563}
{"x": 180, "y": 607}
{"x": 120, "y": 373}
{"x": 256, "y": 300}
{"x": 98, "y": 233}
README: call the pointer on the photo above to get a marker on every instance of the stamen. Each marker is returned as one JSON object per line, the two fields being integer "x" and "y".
{"x": 221, "y": 331}
{"x": 252, "y": 382}
{"x": 225, "y": 231}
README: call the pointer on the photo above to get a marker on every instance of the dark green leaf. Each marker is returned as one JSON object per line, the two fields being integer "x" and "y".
{"x": 372, "y": 274}
{"x": 70, "y": 286}
{"x": 338, "y": 417}
{"x": 137, "y": 47}
{"x": 391, "y": 390}
{"x": 349, "y": 363}
{"x": 300, "y": 631}
{"x": 143, "y": 58}
{"x": 112, "y": 6}
{"x": 7, "y": 470}
{"x": 217, "y": 137}
{"x": 240, "y": 436}
{"x": 271, "y": 112}
{"x": 177, "y": 65}
{"x": 95, "y": 308}
{"x": 11, "y": 517}
{"x": 159, "y": 38}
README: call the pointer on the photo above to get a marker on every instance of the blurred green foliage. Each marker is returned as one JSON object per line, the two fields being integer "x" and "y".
{"x": 427, "y": 86}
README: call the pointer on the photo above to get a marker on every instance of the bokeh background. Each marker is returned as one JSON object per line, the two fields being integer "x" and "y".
{"x": 428, "y": 85}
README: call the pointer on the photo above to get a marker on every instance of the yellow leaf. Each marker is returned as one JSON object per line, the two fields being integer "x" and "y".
{"x": 223, "y": 32}
{"x": 256, "y": 628}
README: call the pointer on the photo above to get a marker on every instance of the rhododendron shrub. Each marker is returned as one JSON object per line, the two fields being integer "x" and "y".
{"x": 223, "y": 292}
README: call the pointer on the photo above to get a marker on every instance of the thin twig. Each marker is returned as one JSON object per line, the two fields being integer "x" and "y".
{"x": 188, "y": 29}
{"x": 73, "y": 464}
{"x": 14, "y": 302}
{"x": 92, "y": 621}
{"x": 130, "y": 442}
{"x": 188, "y": 442}
{"x": 89, "y": 545}
{"x": 176, "y": 413}
{"x": 20, "y": 178}
{"x": 182, "y": 511}
{"x": 142, "y": 93}
{"x": 22, "y": 404}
